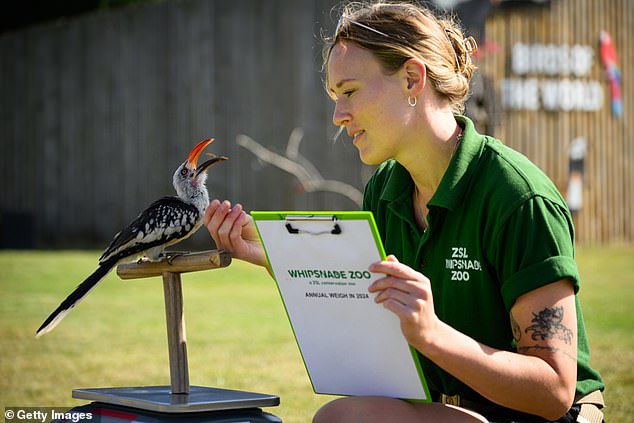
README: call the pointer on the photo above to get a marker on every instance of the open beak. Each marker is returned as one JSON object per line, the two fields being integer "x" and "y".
{"x": 207, "y": 164}
{"x": 192, "y": 159}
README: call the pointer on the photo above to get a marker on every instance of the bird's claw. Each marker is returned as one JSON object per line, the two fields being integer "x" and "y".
{"x": 169, "y": 256}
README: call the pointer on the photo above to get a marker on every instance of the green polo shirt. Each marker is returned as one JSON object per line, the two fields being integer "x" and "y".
{"x": 497, "y": 228}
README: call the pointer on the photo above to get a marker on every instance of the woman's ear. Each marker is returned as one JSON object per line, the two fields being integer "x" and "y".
{"x": 415, "y": 76}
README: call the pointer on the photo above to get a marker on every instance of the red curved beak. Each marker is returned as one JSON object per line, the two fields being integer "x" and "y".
{"x": 192, "y": 158}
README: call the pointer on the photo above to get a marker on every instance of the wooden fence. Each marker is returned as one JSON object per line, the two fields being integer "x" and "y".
{"x": 96, "y": 112}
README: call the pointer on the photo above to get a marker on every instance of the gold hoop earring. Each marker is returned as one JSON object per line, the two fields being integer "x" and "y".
{"x": 410, "y": 102}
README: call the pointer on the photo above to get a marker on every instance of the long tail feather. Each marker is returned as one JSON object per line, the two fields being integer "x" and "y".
{"x": 74, "y": 298}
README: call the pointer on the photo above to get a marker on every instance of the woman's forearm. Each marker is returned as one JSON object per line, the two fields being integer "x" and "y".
{"x": 513, "y": 380}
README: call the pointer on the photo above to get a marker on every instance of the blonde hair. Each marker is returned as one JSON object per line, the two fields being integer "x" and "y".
{"x": 396, "y": 32}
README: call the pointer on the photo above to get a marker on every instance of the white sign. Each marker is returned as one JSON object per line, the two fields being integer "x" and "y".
{"x": 551, "y": 59}
{"x": 552, "y": 94}
{"x": 568, "y": 93}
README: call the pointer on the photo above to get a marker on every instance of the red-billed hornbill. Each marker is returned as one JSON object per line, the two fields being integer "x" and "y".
{"x": 165, "y": 222}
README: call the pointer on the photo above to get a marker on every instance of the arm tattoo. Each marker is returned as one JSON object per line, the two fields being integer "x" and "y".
{"x": 547, "y": 325}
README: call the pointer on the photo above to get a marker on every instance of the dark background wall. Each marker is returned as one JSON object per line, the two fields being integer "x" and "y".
{"x": 98, "y": 109}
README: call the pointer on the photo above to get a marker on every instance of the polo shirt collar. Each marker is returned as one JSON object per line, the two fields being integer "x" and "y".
{"x": 399, "y": 186}
{"x": 398, "y": 193}
{"x": 456, "y": 179}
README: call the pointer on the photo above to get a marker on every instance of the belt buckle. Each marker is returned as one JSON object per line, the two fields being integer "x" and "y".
{"x": 450, "y": 399}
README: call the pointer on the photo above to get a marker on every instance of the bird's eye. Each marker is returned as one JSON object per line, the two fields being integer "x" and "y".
{"x": 184, "y": 172}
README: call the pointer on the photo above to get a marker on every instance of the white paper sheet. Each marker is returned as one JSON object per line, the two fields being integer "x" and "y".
{"x": 350, "y": 344}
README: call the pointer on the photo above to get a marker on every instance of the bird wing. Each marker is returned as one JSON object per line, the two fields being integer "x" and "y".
{"x": 165, "y": 222}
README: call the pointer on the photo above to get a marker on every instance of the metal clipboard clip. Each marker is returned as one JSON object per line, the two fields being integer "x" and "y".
{"x": 336, "y": 230}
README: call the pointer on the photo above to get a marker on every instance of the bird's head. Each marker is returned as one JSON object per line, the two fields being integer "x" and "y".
{"x": 189, "y": 178}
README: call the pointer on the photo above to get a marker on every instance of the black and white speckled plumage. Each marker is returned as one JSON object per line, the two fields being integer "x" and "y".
{"x": 165, "y": 222}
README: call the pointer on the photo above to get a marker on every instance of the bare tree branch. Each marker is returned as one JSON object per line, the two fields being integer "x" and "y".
{"x": 297, "y": 165}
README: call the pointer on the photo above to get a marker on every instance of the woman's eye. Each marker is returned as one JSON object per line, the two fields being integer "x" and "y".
{"x": 348, "y": 93}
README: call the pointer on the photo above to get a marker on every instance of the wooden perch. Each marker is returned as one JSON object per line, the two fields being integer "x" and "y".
{"x": 191, "y": 262}
{"x": 173, "y": 293}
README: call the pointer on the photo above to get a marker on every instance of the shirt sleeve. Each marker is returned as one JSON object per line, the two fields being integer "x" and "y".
{"x": 535, "y": 247}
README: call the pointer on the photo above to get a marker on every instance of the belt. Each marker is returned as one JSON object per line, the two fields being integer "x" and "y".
{"x": 487, "y": 409}
{"x": 460, "y": 401}
{"x": 451, "y": 399}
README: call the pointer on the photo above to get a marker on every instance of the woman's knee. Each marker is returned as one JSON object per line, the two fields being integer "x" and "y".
{"x": 362, "y": 409}
{"x": 383, "y": 409}
{"x": 342, "y": 410}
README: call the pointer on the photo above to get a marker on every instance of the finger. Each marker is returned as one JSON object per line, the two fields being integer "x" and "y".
{"x": 391, "y": 258}
{"x": 242, "y": 214}
{"x": 211, "y": 209}
{"x": 393, "y": 294}
{"x": 244, "y": 219}
{"x": 392, "y": 267}
{"x": 395, "y": 283}
{"x": 239, "y": 223}
{"x": 216, "y": 221}
{"x": 380, "y": 284}
{"x": 404, "y": 304}
{"x": 401, "y": 310}
{"x": 234, "y": 222}
{"x": 228, "y": 231}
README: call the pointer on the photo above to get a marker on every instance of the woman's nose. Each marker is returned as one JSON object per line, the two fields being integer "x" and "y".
{"x": 340, "y": 116}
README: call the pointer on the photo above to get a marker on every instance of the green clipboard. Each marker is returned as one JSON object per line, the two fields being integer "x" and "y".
{"x": 349, "y": 344}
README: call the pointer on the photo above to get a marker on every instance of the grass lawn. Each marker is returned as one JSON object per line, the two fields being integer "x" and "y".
{"x": 237, "y": 330}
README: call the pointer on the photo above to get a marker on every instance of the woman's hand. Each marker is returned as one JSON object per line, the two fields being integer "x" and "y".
{"x": 407, "y": 293}
{"x": 539, "y": 378}
{"x": 233, "y": 230}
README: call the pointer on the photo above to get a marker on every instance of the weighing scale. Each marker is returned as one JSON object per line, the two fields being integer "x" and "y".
{"x": 179, "y": 401}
